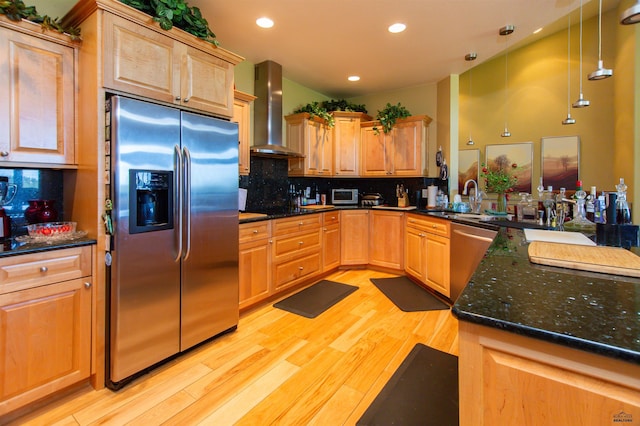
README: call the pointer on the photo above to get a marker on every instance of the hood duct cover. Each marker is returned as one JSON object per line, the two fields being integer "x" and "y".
{"x": 268, "y": 112}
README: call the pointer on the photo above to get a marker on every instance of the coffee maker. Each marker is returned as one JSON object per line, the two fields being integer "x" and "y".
{"x": 5, "y": 224}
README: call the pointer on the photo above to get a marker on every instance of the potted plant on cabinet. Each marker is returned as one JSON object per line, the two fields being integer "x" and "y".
{"x": 388, "y": 117}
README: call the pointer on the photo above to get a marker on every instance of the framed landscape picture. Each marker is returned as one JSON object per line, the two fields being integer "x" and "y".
{"x": 560, "y": 161}
{"x": 468, "y": 167}
{"x": 504, "y": 155}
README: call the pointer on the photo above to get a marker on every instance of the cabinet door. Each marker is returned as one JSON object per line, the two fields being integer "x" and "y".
{"x": 140, "y": 61}
{"x": 386, "y": 243}
{"x": 242, "y": 116}
{"x": 374, "y": 155}
{"x": 37, "y": 100}
{"x": 437, "y": 268}
{"x": 415, "y": 253}
{"x": 354, "y": 237}
{"x": 330, "y": 247}
{"x": 45, "y": 341}
{"x": 325, "y": 155}
{"x": 346, "y": 146}
{"x": 254, "y": 271}
{"x": 206, "y": 82}
{"x": 407, "y": 148}
{"x": 296, "y": 142}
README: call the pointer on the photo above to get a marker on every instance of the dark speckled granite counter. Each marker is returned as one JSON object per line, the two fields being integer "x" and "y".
{"x": 598, "y": 313}
{"x": 14, "y": 248}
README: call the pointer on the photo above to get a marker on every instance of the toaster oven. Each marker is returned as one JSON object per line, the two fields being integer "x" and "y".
{"x": 344, "y": 196}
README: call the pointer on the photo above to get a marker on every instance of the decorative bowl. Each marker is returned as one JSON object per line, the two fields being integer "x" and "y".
{"x": 51, "y": 229}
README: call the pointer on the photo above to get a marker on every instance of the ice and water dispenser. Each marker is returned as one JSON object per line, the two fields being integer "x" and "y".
{"x": 151, "y": 200}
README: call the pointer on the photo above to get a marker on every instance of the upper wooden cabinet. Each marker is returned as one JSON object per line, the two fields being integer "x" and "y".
{"x": 37, "y": 99}
{"x": 310, "y": 136}
{"x": 401, "y": 152}
{"x": 144, "y": 62}
{"x": 346, "y": 142}
{"x": 242, "y": 116}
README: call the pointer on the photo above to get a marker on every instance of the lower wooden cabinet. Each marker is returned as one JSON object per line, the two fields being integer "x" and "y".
{"x": 509, "y": 379}
{"x": 254, "y": 262}
{"x": 427, "y": 251}
{"x": 330, "y": 241}
{"x": 386, "y": 229}
{"x": 354, "y": 237}
{"x": 45, "y": 325}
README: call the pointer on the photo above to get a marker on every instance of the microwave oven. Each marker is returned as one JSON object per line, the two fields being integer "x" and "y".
{"x": 344, "y": 196}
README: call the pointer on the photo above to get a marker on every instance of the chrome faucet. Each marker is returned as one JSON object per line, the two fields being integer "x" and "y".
{"x": 475, "y": 200}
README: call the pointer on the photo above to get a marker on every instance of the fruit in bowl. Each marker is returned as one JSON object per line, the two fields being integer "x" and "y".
{"x": 51, "y": 229}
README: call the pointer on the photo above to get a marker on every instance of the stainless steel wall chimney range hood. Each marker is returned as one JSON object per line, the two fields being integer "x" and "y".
{"x": 268, "y": 112}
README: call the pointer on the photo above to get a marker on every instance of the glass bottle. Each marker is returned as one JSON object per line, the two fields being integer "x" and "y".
{"x": 48, "y": 213}
{"x": 590, "y": 206}
{"x": 623, "y": 215}
{"x": 580, "y": 221}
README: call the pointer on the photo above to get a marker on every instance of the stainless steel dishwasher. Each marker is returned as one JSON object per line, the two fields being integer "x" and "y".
{"x": 468, "y": 246}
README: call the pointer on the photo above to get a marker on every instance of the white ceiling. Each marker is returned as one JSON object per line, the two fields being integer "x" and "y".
{"x": 320, "y": 43}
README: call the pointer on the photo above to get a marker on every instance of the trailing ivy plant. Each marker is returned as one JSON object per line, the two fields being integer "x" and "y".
{"x": 388, "y": 117}
{"x": 317, "y": 110}
{"x": 16, "y": 10}
{"x": 343, "y": 105}
{"x": 168, "y": 13}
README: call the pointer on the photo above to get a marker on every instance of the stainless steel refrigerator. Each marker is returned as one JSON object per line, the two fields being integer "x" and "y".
{"x": 174, "y": 270}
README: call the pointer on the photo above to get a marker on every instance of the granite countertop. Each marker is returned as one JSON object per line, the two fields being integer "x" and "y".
{"x": 13, "y": 248}
{"x": 595, "y": 312}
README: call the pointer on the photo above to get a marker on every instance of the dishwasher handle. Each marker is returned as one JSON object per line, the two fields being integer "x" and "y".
{"x": 474, "y": 236}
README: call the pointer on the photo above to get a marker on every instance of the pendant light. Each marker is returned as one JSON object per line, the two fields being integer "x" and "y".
{"x": 470, "y": 57}
{"x": 581, "y": 102}
{"x": 631, "y": 15}
{"x": 601, "y": 73}
{"x": 505, "y": 31}
{"x": 569, "y": 119}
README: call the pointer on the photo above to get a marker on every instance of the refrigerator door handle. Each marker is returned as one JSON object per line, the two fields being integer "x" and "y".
{"x": 187, "y": 199}
{"x": 178, "y": 205}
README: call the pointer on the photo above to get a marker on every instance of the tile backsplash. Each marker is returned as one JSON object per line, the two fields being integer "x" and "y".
{"x": 268, "y": 184}
{"x": 32, "y": 184}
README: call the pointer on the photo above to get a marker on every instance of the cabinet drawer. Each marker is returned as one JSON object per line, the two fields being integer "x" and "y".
{"x": 289, "y": 273}
{"x": 431, "y": 225}
{"x": 296, "y": 224}
{"x": 330, "y": 218}
{"x": 32, "y": 270}
{"x": 298, "y": 244}
{"x": 255, "y": 231}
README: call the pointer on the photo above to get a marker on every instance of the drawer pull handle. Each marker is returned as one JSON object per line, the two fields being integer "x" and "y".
{"x": 300, "y": 268}
{"x": 255, "y": 231}
{"x": 43, "y": 269}
{"x": 301, "y": 242}
{"x": 87, "y": 285}
{"x": 301, "y": 223}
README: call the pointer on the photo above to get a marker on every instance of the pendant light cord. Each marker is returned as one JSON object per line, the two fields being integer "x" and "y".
{"x": 600, "y": 32}
{"x": 580, "y": 48}
{"x": 470, "y": 75}
{"x": 569, "y": 67}
{"x": 506, "y": 81}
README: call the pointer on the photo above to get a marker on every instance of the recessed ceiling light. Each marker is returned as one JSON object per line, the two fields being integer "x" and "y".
{"x": 264, "y": 22}
{"x": 353, "y": 78}
{"x": 538, "y": 30}
{"x": 397, "y": 28}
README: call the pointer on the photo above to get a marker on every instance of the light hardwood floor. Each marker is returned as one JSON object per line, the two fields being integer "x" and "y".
{"x": 277, "y": 368}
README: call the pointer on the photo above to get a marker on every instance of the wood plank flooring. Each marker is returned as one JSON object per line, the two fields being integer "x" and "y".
{"x": 277, "y": 368}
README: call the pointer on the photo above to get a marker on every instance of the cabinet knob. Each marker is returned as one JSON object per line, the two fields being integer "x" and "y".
{"x": 43, "y": 269}
{"x": 300, "y": 268}
{"x": 301, "y": 242}
{"x": 4, "y": 153}
{"x": 255, "y": 231}
{"x": 186, "y": 99}
{"x": 178, "y": 98}
{"x": 87, "y": 284}
{"x": 301, "y": 223}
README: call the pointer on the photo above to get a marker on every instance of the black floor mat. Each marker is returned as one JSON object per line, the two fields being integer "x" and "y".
{"x": 407, "y": 295}
{"x": 314, "y": 300}
{"x": 422, "y": 391}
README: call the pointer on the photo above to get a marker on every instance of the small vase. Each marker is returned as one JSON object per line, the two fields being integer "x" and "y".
{"x": 501, "y": 205}
{"x": 48, "y": 212}
{"x": 31, "y": 213}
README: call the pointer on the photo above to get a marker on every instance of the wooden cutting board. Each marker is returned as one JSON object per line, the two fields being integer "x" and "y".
{"x": 243, "y": 215}
{"x": 610, "y": 260}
